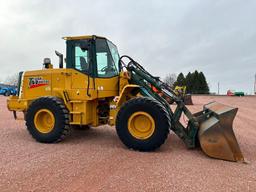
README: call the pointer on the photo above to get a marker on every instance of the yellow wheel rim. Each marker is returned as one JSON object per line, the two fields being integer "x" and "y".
{"x": 141, "y": 125}
{"x": 44, "y": 121}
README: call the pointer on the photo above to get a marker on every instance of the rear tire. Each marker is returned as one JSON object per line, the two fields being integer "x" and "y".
{"x": 47, "y": 120}
{"x": 142, "y": 124}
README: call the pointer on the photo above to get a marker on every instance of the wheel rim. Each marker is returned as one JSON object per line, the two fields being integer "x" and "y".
{"x": 44, "y": 121}
{"x": 141, "y": 125}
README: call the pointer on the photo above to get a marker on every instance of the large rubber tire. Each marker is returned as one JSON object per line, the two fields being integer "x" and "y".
{"x": 156, "y": 111}
{"x": 61, "y": 126}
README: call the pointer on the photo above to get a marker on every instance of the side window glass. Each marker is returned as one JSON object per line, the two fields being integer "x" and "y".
{"x": 102, "y": 63}
{"x": 81, "y": 59}
{"x": 105, "y": 63}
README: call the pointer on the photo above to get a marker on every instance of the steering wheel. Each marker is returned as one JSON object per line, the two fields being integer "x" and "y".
{"x": 107, "y": 68}
{"x": 104, "y": 69}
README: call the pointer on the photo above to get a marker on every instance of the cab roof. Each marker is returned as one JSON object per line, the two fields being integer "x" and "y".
{"x": 82, "y": 37}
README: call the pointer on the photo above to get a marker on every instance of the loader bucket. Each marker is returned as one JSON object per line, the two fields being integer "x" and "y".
{"x": 216, "y": 135}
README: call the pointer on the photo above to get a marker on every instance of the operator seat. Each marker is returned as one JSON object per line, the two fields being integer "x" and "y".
{"x": 84, "y": 65}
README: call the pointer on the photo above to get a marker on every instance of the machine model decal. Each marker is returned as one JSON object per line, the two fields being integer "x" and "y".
{"x": 37, "y": 82}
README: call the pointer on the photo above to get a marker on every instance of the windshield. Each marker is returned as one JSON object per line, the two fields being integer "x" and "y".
{"x": 114, "y": 54}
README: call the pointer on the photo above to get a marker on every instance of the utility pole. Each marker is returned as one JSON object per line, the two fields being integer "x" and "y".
{"x": 219, "y": 87}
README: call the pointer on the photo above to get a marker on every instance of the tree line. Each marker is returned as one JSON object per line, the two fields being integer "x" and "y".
{"x": 195, "y": 82}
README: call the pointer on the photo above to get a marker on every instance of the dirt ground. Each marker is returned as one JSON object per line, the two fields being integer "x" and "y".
{"x": 95, "y": 159}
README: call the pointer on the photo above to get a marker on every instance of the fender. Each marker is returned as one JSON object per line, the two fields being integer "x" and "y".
{"x": 125, "y": 92}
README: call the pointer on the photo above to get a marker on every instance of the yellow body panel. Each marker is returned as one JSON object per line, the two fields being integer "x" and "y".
{"x": 81, "y": 94}
{"x": 16, "y": 104}
{"x": 107, "y": 87}
{"x": 72, "y": 81}
{"x": 124, "y": 80}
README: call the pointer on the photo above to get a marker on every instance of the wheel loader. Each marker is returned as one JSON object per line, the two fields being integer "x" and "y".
{"x": 98, "y": 87}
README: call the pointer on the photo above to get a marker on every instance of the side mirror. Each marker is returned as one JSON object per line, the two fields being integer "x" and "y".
{"x": 60, "y": 59}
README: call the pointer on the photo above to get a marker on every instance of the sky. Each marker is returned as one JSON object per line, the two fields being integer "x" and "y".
{"x": 217, "y": 37}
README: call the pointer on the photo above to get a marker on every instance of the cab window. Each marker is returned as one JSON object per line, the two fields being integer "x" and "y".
{"x": 81, "y": 59}
{"x": 106, "y": 66}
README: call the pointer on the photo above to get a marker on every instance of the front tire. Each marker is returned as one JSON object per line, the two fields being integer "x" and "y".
{"x": 47, "y": 120}
{"x": 142, "y": 124}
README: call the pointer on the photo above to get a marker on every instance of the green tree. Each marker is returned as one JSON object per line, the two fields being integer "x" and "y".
{"x": 189, "y": 83}
{"x": 196, "y": 82}
{"x": 203, "y": 86}
{"x": 181, "y": 81}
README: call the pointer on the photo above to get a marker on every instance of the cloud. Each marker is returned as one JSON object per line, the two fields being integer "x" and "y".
{"x": 216, "y": 37}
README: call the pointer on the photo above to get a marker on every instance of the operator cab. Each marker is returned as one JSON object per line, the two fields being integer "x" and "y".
{"x": 92, "y": 55}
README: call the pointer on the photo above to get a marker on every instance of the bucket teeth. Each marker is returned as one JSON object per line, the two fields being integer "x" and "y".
{"x": 216, "y": 135}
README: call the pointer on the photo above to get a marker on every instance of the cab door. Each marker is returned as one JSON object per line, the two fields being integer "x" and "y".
{"x": 82, "y": 79}
{"x": 107, "y": 70}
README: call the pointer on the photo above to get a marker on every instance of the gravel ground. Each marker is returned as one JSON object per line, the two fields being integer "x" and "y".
{"x": 95, "y": 159}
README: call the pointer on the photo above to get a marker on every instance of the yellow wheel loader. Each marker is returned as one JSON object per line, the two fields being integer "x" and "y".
{"x": 98, "y": 87}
